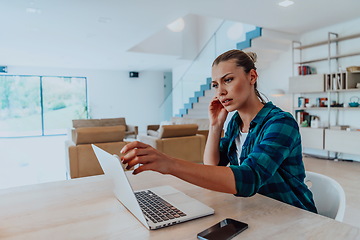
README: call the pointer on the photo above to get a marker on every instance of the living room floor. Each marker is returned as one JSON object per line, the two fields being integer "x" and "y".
{"x": 35, "y": 160}
{"x": 32, "y": 160}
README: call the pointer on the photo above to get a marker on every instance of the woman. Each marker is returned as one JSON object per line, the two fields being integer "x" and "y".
{"x": 261, "y": 150}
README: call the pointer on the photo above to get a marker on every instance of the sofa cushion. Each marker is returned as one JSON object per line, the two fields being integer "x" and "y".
{"x": 80, "y": 123}
{"x": 87, "y": 135}
{"x": 153, "y": 133}
{"x": 169, "y": 131}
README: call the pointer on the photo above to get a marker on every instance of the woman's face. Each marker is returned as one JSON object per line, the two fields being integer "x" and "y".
{"x": 233, "y": 87}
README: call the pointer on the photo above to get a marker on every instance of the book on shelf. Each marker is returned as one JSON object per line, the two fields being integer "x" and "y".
{"x": 335, "y": 81}
{"x": 301, "y": 116}
{"x": 321, "y": 102}
{"x": 302, "y": 101}
{"x": 306, "y": 70}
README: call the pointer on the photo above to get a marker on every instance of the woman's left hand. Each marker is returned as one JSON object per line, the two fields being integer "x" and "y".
{"x": 146, "y": 156}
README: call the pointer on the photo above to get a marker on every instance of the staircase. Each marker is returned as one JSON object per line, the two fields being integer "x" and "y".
{"x": 267, "y": 44}
{"x": 198, "y": 105}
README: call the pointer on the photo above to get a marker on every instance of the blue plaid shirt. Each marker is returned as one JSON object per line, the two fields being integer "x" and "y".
{"x": 271, "y": 158}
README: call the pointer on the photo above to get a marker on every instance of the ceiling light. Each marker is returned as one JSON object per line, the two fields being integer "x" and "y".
{"x": 177, "y": 26}
{"x": 235, "y": 31}
{"x": 33, "y": 10}
{"x": 286, "y": 3}
{"x": 104, "y": 20}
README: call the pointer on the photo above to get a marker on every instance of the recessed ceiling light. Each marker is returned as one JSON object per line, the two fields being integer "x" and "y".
{"x": 177, "y": 26}
{"x": 286, "y": 3}
{"x": 33, "y": 10}
{"x": 104, "y": 20}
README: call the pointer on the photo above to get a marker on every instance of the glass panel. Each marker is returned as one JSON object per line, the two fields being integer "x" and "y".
{"x": 20, "y": 112}
{"x": 64, "y": 99}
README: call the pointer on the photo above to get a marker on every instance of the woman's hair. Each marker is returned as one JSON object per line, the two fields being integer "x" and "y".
{"x": 246, "y": 60}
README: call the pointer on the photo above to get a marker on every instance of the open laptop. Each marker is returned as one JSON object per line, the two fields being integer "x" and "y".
{"x": 167, "y": 205}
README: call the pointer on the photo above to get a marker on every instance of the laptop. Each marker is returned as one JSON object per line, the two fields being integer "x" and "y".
{"x": 156, "y": 207}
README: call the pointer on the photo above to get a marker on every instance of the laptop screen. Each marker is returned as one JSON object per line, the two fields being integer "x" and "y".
{"x": 123, "y": 191}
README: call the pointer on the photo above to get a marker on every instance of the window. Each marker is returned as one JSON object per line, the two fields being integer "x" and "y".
{"x": 40, "y": 105}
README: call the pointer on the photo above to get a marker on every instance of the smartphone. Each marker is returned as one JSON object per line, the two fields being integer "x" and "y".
{"x": 226, "y": 229}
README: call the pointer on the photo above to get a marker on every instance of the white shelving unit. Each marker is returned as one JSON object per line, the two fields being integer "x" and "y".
{"x": 332, "y": 85}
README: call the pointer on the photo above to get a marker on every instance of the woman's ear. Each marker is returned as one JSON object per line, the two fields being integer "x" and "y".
{"x": 253, "y": 76}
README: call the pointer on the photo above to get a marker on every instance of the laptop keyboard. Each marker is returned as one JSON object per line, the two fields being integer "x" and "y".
{"x": 156, "y": 208}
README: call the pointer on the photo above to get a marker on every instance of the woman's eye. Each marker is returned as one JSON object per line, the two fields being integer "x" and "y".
{"x": 227, "y": 80}
{"x": 214, "y": 85}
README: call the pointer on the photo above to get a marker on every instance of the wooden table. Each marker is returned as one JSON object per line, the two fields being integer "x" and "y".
{"x": 85, "y": 208}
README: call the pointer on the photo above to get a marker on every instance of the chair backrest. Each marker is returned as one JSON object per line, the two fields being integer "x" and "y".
{"x": 180, "y": 130}
{"x": 328, "y": 195}
{"x": 89, "y": 135}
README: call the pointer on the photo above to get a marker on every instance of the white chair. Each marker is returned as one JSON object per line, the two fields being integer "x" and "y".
{"x": 328, "y": 195}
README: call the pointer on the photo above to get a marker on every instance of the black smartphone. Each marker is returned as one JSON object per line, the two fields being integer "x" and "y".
{"x": 226, "y": 229}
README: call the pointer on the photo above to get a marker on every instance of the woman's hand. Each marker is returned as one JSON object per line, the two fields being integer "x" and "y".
{"x": 217, "y": 113}
{"x": 211, "y": 177}
{"x": 145, "y": 155}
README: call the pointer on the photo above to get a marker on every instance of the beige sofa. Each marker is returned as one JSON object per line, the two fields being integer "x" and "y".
{"x": 180, "y": 141}
{"x": 80, "y": 158}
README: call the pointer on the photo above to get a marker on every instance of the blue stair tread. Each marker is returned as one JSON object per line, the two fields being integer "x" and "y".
{"x": 188, "y": 106}
{"x": 193, "y": 100}
{"x": 183, "y": 111}
{"x": 249, "y": 36}
{"x": 205, "y": 87}
{"x": 199, "y": 94}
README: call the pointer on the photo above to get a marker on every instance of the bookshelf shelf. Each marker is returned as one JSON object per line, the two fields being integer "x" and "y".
{"x": 331, "y": 58}
{"x": 311, "y": 108}
{"x": 326, "y": 42}
{"x": 326, "y": 108}
{"x": 344, "y": 90}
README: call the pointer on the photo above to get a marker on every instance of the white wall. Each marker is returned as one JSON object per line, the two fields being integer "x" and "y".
{"x": 276, "y": 76}
{"x": 114, "y": 94}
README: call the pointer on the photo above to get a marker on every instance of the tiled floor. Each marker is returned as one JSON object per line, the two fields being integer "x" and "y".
{"x": 42, "y": 159}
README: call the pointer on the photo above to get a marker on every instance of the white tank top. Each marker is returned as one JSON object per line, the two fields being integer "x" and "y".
{"x": 239, "y": 141}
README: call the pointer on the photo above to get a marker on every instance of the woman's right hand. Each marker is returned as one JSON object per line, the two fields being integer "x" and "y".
{"x": 217, "y": 113}
{"x": 147, "y": 157}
